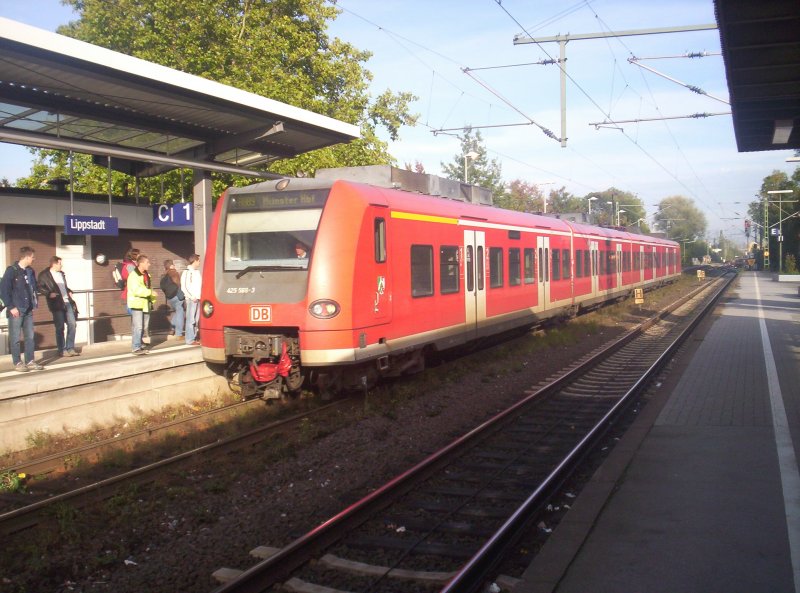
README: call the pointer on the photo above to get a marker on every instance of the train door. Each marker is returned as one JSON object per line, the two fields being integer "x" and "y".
{"x": 620, "y": 265}
{"x": 595, "y": 256}
{"x": 380, "y": 277}
{"x": 474, "y": 278}
{"x": 641, "y": 263}
{"x": 543, "y": 248}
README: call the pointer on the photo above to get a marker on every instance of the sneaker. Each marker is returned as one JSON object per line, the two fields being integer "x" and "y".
{"x": 72, "y": 352}
{"x": 20, "y": 366}
{"x": 139, "y": 351}
{"x": 34, "y": 366}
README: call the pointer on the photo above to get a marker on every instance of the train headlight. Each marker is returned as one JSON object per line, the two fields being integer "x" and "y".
{"x": 208, "y": 309}
{"x": 324, "y": 309}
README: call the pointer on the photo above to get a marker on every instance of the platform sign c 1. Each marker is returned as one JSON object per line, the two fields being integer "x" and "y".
{"x": 173, "y": 214}
{"x": 638, "y": 296}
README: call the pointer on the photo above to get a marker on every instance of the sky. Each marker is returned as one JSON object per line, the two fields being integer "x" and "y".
{"x": 423, "y": 47}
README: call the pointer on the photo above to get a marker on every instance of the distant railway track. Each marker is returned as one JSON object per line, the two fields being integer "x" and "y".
{"x": 29, "y": 515}
{"x": 446, "y": 523}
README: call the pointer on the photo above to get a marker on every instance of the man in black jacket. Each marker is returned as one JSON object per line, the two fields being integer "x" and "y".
{"x": 18, "y": 291}
{"x": 53, "y": 285}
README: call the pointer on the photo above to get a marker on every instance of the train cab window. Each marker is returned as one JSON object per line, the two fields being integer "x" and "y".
{"x": 578, "y": 263}
{"x": 448, "y": 269}
{"x": 555, "y": 272}
{"x": 565, "y": 264}
{"x": 421, "y": 270}
{"x": 469, "y": 266}
{"x": 380, "y": 240}
{"x": 530, "y": 275}
{"x": 514, "y": 270}
{"x": 266, "y": 239}
{"x": 495, "y": 267}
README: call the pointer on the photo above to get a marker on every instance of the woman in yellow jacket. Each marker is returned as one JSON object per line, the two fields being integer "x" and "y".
{"x": 140, "y": 301}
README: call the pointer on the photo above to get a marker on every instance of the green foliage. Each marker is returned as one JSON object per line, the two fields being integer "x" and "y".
{"x": 479, "y": 170}
{"x": 278, "y": 49}
{"x": 680, "y": 218}
{"x": 790, "y": 264}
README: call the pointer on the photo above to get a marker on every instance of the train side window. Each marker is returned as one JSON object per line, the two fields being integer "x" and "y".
{"x": 601, "y": 256}
{"x": 555, "y": 270}
{"x": 480, "y": 267}
{"x": 578, "y": 263}
{"x": 380, "y": 240}
{"x": 495, "y": 267}
{"x": 469, "y": 265}
{"x": 514, "y": 271}
{"x": 610, "y": 267}
{"x": 565, "y": 264}
{"x": 542, "y": 264}
{"x": 546, "y": 261}
{"x": 448, "y": 269}
{"x": 587, "y": 262}
{"x": 530, "y": 275}
{"x": 421, "y": 270}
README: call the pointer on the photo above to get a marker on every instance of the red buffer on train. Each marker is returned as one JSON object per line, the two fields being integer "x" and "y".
{"x": 334, "y": 283}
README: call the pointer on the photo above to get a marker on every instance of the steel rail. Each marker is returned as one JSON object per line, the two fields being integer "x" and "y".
{"x": 471, "y": 577}
{"x": 28, "y": 516}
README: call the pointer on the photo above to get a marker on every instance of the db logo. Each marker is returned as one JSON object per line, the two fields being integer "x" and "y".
{"x": 260, "y": 313}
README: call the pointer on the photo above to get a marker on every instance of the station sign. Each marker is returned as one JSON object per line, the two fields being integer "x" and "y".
{"x": 90, "y": 225}
{"x": 173, "y": 214}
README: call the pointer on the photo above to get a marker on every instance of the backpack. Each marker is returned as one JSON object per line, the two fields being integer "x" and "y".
{"x": 116, "y": 274}
{"x": 168, "y": 286}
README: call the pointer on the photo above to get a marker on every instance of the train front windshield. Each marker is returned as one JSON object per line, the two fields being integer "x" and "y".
{"x": 270, "y": 239}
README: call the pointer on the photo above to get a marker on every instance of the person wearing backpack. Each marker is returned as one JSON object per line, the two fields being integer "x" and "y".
{"x": 140, "y": 302}
{"x": 18, "y": 292}
{"x": 171, "y": 287}
{"x": 128, "y": 265}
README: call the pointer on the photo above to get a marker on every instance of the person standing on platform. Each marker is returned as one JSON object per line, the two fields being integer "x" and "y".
{"x": 171, "y": 285}
{"x": 18, "y": 292}
{"x": 52, "y": 284}
{"x": 128, "y": 265}
{"x": 191, "y": 283}
{"x": 140, "y": 302}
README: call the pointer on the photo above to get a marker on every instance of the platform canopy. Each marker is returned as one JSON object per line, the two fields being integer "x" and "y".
{"x": 761, "y": 49}
{"x": 58, "y": 92}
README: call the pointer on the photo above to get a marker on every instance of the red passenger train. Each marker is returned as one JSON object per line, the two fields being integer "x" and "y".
{"x": 340, "y": 283}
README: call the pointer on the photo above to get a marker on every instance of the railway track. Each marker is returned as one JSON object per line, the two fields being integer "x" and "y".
{"x": 445, "y": 524}
{"x": 29, "y": 515}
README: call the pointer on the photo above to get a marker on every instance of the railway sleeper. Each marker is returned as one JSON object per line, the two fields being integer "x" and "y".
{"x": 371, "y": 570}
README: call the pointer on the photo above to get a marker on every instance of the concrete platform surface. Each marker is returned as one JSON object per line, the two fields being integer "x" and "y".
{"x": 703, "y": 494}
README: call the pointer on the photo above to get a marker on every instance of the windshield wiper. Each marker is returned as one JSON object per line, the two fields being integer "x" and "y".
{"x": 266, "y": 268}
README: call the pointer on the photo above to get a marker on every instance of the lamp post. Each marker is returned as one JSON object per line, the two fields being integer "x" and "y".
{"x": 470, "y": 155}
{"x": 618, "y": 213}
{"x": 591, "y": 199}
{"x": 780, "y": 223}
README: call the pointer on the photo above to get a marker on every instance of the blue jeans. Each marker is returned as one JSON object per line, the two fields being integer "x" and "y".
{"x": 59, "y": 319}
{"x": 139, "y": 321}
{"x": 178, "y": 318}
{"x": 192, "y": 316}
{"x": 24, "y": 325}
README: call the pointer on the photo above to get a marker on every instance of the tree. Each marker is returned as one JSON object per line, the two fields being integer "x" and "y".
{"x": 612, "y": 201}
{"x": 480, "y": 170}
{"x": 779, "y": 208}
{"x": 680, "y": 219}
{"x": 278, "y": 49}
{"x": 522, "y": 197}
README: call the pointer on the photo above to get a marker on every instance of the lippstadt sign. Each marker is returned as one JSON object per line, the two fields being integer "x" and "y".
{"x": 90, "y": 225}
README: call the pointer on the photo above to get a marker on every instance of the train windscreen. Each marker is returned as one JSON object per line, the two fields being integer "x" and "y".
{"x": 270, "y": 239}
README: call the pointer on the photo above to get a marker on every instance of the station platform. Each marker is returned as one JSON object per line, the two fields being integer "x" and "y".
{"x": 702, "y": 494}
{"x": 106, "y": 384}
